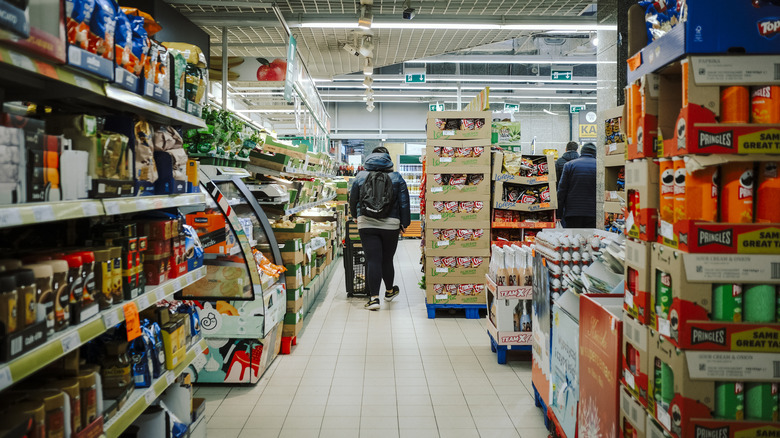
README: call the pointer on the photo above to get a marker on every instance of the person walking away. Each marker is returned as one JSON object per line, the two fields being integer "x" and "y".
{"x": 379, "y": 199}
{"x": 577, "y": 190}
{"x": 569, "y": 155}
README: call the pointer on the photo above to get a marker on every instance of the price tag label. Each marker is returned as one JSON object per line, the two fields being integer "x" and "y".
{"x": 629, "y": 378}
{"x": 663, "y": 416}
{"x": 442, "y": 270}
{"x": 47, "y": 69}
{"x": 158, "y": 204}
{"x": 43, "y": 213}
{"x": 89, "y": 209}
{"x": 82, "y": 82}
{"x": 446, "y": 160}
{"x": 22, "y": 61}
{"x": 160, "y": 294}
{"x": 71, "y": 342}
{"x": 667, "y": 230}
{"x": 132, "y": 320}
{"x": 141, "y": 204}
{"x": 437, "y": 189}
{"x": 444, "y": 243}
{"x": 198, "y": 349}
{"x": 442, "y": 296}
{"x": 448, "y": 132}
{"x": 177, "y": 284}
{"x": 630, "y": 221}
{"x": 150, "y": 397}
{"x": 170, "y": 378}
{"x": 143, "y": 301}
{"x": 110, "y": 319}
{"x": 111, "y": 207}
{"x": 435, "y": 217}
{"x": 664, "y": 327}
{"x": 613, "y": 147}
{"x": 5, "y": 377}
{"x": 629, "y": 297}
{"x": 10, "y": 217}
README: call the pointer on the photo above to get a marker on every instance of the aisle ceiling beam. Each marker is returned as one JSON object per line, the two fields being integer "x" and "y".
{"x": 393, "y": 21}
{"x": 506, "y": 59}
{"x": 486, "y": 79}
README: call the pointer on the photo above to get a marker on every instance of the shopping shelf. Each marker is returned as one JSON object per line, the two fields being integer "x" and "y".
{"x": 29, "y": 77}
{"x": 142, "y": 398}
{"x": 13, "y": 215}
{"x": 72, "y": 338}
{"x": 523, "y": 225}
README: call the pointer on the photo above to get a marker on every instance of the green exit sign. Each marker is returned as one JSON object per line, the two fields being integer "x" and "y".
{"x": 415, "y": 78}
{"x": 561, "y": 75}
{"x": 574, "y": 109}
{"x": 436, "y": 107}
{"x": 511, "y": 107}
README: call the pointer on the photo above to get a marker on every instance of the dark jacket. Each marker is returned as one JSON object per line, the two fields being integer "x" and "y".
{"x": 565, "y": 158}
{"x": 382, "y": 162}
{"x": 577, "y": 190}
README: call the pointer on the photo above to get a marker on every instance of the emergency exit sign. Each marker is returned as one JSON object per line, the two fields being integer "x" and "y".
{"x": 415, "y": 78}
{"x": 574, "y": 109}
{"x": 511, "y": 107}
{"x": 561, "y": 75}
{"x": 436, "y": 107}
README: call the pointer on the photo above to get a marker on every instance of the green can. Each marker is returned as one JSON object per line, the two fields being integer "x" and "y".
{"x": 760, "y": 303}
{"x": 667, "y": 384}
{"x": 729, "y": 400}
{"x": 761, "y": 401}
{"x": 663, "y": 295}
{"x": 727, "y": 302}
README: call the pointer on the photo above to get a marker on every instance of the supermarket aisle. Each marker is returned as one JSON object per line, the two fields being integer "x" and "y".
{"x": 390, "y": 373}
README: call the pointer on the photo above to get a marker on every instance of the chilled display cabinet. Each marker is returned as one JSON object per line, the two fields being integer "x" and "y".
{"x": 410, "y": 168}
{"x": 240, "y": 306}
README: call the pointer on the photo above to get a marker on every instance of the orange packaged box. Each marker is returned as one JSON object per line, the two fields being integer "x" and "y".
{"x": 212, "y": 231}
{"x": 641, "y": 117}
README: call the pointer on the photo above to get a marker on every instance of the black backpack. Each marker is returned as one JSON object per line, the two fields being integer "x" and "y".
{"x": 376, "y": 195}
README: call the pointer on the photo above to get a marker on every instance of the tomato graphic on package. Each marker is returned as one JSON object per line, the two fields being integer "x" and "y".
{"x": 275, "y": 70}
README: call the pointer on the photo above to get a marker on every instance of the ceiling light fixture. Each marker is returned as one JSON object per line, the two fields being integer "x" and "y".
{"x": 366, "y": 17}
{"x": 367, "y": 48}
{"x": 368, "y": 81}
{"x": 595, "y": 41}
{"x": 368, "y": 67}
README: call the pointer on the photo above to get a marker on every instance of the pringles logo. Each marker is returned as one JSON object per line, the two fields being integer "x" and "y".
{"x": 724, "y": 237}
{"x": 703, "y": 432}
{"x": 769, "y": 27}
{"x": 746, "y": 185}
{"x": 699, "y": 336}
{"x": 724, "y": 139}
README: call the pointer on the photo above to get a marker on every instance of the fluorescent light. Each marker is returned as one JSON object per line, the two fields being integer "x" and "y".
{"x": 481, "y": 79}
{"x": 279, "y": 111}
{"x": 546, "y": 111}
{"x": 366, "y": 17}
{"x": 595, "y": 42}
{"x": 418, "y": 25}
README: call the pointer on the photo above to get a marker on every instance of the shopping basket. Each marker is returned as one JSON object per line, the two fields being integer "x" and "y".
{"x": 354, "y": 262}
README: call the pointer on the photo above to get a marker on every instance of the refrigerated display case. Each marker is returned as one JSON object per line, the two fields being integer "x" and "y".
{"x": 240, "y": 306}
{"x": 410, "y": 168}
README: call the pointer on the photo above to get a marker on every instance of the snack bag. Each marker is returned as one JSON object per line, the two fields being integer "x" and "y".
{"x": 140, "y": 44}
{"x": 124, "y": 44}
{"x": 102, "y": 28}
{"x": 145, "y": 168}
{"x": 79, "y": 13}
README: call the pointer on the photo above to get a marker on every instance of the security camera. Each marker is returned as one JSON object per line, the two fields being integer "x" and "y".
{"x": 351, "y": 49}
{"x": 409, "y": 13}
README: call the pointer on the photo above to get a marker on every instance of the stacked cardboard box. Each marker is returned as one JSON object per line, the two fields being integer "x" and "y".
{"x": 700, "y": 339}
{"x": 457, "y": 235}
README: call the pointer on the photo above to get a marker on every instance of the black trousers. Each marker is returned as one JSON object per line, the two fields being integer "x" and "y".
{"x": 379, "y": 247}
{"x": 580, "y": 222}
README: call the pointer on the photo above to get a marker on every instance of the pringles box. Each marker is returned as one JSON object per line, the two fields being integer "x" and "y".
{"x": 643, "y": 199}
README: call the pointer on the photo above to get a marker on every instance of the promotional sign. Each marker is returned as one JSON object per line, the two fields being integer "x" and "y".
{"x": 588, "y": 131}
{"x": 261, "y": 70}
{"x": 289, "y": 78}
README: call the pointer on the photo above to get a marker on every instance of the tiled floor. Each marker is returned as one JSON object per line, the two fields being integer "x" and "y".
{"x": 390, "y": 373}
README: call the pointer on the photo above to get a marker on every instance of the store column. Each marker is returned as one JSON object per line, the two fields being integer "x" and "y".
{"x": 607, "y": 86}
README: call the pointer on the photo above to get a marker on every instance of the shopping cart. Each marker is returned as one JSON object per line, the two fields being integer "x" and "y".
{"x": 354, "y": 262}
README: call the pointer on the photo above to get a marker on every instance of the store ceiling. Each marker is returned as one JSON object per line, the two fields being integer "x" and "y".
{"x": 462, "y": 27}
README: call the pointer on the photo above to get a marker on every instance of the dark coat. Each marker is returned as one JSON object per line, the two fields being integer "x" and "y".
{"x": 565, "y": 158}
{"x": 383, "y": 163}
{"x": 577, "y": 190}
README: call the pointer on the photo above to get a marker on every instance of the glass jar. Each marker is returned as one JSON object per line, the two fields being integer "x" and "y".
{"x": 103, "y": 277}
{"x": 75, "y": 287}
{"x": 44, "y": 295}
{"x": 26, "y": 304}
{"x": 71, "y": 387}
{"x": 88, "y": 388}
{"x": 8, "y": 298}
{"x": 61, "y": 296}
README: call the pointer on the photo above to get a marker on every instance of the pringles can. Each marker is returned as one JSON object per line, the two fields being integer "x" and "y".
{"x": 727, "y": 302}
{"x": 765, "y": 104}
{"x": 736, "y": 204}
{"x": 685, "y": 75}
{"x": 701, "y": 191}
{"x": 729, "y": 400}
{"x": 679, "y": 189}
{"x": 768, "y": 193}
{"x": 666, "y": 168}
{"x": 663, "y": 298}
{"x": 734, "y": 105}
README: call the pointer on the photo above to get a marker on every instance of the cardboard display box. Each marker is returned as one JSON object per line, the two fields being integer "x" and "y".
{"x": 299, "y": 231}
{"x": 438, "y": 164}
{"x": 478, "y": 192}
{"x": 454, "y": 216}
{"x": 500, "y": 204}
{"x": 453, "y": 296}
{"x": 641, "y": 117}
{"x": 687, "y": 323}
{"x": 690, "y": 389}
{"x": 509, "y": 313}
{"x": 498, "y": 167}
{"x": 437, "y": 133}
{"x": 695, "y": 128}
{"x": 454, "y": 247}
{"x": 294, "y": 276}
{"x": 642, "y": 184}
{"x": 434, "y": 272}
{"x": 600, "y": 335}
{"x": 293, "y": 323}
{"x": 635, "y": 358}
{"x": 564, "y": 362}
{"x": 637, "y": 280}
{"x": 292, "y": 251}
{"x": 633, "y": 418}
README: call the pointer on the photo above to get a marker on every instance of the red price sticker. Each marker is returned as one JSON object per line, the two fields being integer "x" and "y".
{"x": 47, "y": 69}
{"x": 132, "y": 320}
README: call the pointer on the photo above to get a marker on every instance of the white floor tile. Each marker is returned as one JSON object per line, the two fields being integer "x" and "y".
{"x": 391, "y": 373}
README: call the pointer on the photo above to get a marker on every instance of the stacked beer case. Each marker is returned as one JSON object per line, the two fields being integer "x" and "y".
{"x": 700, "y": 345}
{"x": 457, "y": 221}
